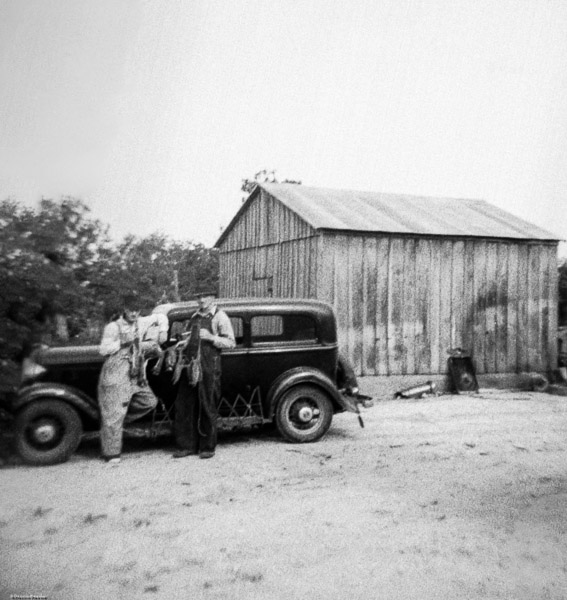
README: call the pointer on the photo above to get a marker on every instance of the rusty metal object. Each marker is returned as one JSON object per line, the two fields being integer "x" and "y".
{"x": 538, "y": 382}
{"x": 417, "y": 391}
{"x": 462, "y": 371}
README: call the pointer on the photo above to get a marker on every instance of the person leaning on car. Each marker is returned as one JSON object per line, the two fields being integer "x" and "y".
{"x": 127, "y": 342}
{"x": 209, "y": 331}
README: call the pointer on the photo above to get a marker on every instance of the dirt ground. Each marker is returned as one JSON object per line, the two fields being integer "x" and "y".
{"x": 443, "y": 497}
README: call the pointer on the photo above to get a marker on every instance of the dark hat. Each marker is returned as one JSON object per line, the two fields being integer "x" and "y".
{"x": 130, "y": 301}
{"x": 205, "y": 292}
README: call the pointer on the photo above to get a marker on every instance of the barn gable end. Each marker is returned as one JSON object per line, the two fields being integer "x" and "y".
{"x": 268, "y": 250}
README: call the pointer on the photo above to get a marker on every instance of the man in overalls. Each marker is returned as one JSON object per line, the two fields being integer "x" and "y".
{"x": 122, "y": 387}
{"x": 196, "y": 403}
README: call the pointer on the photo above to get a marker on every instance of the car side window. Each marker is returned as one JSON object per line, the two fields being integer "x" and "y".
{"x": 283, "y": 329}
{"x": 176, "y": 331}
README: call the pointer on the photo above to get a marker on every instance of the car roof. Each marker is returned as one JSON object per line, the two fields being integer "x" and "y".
{"x": 256, "y": 306}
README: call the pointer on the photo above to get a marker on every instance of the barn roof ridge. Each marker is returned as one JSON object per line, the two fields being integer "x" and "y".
{"x": 380, "y": 212}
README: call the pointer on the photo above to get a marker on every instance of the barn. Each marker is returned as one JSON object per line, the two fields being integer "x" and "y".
{"x": 409, "y": 277}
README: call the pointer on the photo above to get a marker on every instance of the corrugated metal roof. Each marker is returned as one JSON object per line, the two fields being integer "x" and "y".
{"x": 344, "y": 210}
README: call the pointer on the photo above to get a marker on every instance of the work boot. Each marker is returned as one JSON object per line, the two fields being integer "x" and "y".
{"x": 206, "y": 454}
{"x": 183, "y": 453}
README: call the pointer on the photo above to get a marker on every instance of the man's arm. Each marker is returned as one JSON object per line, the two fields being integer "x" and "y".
{"x": 110, "y": 343}
{"x": 224, "y": 339}
{"x": 155, "y": 328}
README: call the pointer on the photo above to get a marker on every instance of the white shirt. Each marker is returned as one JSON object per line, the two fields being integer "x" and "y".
{"x": 152, "y": 328}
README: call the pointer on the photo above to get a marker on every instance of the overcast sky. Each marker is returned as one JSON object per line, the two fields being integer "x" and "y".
{"x": 152, "y": 111}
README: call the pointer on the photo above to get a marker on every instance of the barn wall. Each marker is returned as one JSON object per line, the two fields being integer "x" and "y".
{"x": 266, "y": 221}
{"x": 286, "y": 270}
{"x": 402, "y": 302}
{"x": 270, "y": 251}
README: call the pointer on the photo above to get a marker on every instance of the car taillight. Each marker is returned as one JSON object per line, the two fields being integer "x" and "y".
{"x": 31, "y": 369}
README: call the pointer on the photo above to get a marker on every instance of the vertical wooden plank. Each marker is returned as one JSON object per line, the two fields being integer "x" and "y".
{"x": 396, "y": 349}
{"x": 239, "y": 273}
{"x": 502, "y": 302}
{"x": 409, "y": 314}
{"x": 245, "y": 274}
{"x": 312, "y": 272}
{"x": 271, "y": 267}
{"x": 383, "y": 285}
{"x": 312, "y": 275}
{"x": 320, "y": 275}
{"x": 522, "y": 331}
{"x": 370, "y": 302}
{"x": 553, "y": 304}
{"x": 282, "y": 278}
{"x": 342, "y": 293}
{"x": 302, "y": 246}
{"x": 326, "y": 270}
{"x": 290, "y": 270}
{"x": 222, "y": 276}
{"x": 301, "y": 264}
{"x": 295, "y": 268}
{"x": 303, "y": 267}
{"x": 234, "y": 291}
{"x": 469, "y": 298}
{"x": 274, "y": 267}
{"x": 534, "y": 315}
{"x": 480, "y": 305}
{"x": 445, "y": 296}
{"x": 260, "y": 233}
{"x": 544, "y": 308}
{"x": 457, "y": 295}
{"x": 512, "y": 311}
{"x": 435, "y": 306}
{"x": 490, "y": 307}
{"x": 356, "y": 280}
{"x": 230, "y": 277}
{"x": 422, "y": 285}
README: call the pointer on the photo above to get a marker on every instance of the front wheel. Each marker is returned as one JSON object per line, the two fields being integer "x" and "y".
{"x": 47, "y": 432}
{"x": 304, "y": 414}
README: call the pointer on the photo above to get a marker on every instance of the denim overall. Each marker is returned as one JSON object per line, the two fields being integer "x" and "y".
{"x": 196, "y": 401}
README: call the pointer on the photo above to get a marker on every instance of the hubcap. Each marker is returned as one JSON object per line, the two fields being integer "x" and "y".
{"x": 45, "y": 433}
{"x": 305, "y": 414}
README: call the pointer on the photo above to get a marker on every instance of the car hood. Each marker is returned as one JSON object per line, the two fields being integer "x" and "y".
{"x": 68, "y": 355}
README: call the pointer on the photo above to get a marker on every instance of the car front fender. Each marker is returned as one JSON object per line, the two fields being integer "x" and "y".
{"x": 83, "y": 403}
{"x": 302, "y": 375}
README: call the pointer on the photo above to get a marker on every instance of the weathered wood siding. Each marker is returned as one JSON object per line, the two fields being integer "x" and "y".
{"x": 269, "y": 252}
{"x": 402, "y": 302}
{"x": 265, "y": 221}
{"x": 284, "y": 270}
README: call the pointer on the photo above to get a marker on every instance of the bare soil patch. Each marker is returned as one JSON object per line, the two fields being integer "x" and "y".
{"x": 448, "y": 497}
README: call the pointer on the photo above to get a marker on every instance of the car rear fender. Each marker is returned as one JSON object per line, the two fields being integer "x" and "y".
{"x": 84, "y": 404}
{"x": 302, "y": 375}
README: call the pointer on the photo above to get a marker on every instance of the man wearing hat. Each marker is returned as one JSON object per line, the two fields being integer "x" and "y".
{"x": 209, "y": 331}
{"x": 127, "y": 341}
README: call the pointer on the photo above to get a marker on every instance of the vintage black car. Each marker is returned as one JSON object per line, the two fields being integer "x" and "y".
{"x": 285, "y": 369}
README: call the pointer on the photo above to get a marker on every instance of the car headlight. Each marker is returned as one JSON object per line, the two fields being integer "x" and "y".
{"x": 31, "y": 369}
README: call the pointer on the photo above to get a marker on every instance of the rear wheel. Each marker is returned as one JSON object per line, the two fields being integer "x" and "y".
{"x": 47, "y": 432}
{"x": 304, "y": 414}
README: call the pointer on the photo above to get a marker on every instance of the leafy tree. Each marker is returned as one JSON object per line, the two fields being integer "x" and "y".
{"x": 263, "y": 176}
{"x": 157, "y": 269}
{"x": 45, "y": 260}
{"x": 61, "y": 276}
